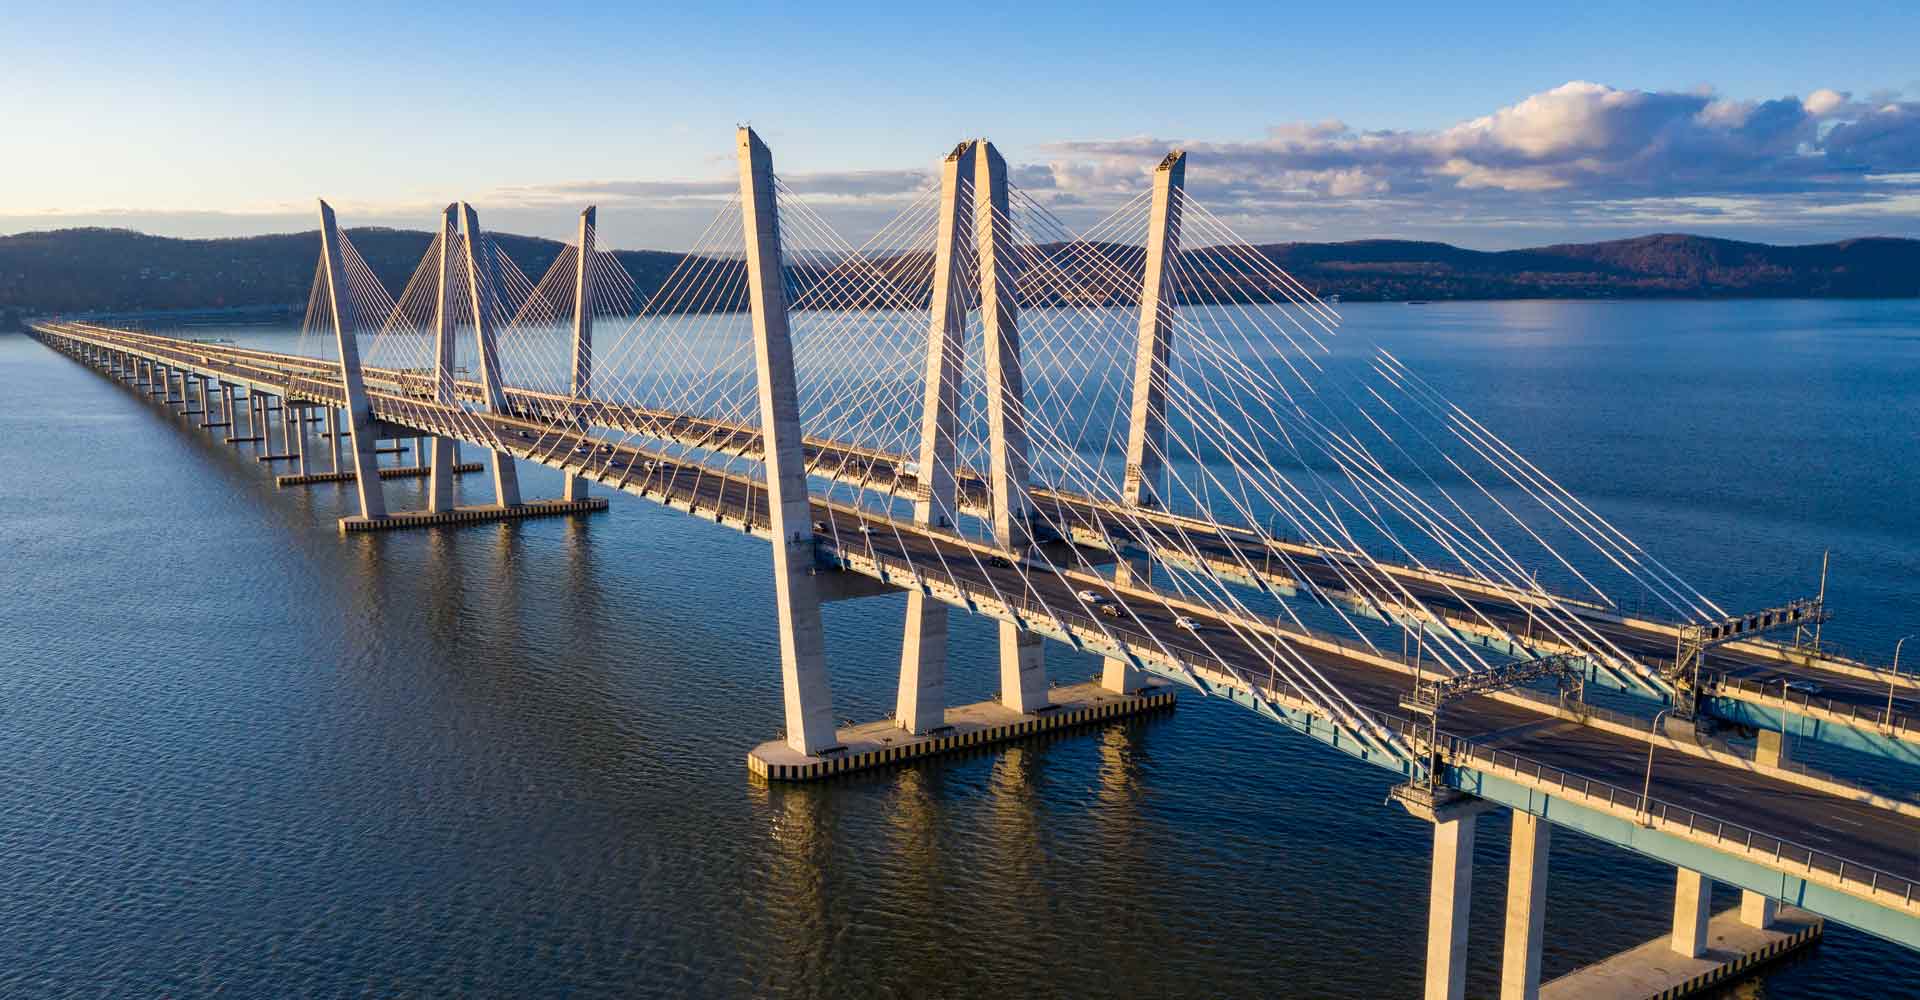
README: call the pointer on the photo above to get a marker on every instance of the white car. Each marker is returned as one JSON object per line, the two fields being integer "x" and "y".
{"x": 1091, "y": 597}
{"x": 1182, "y": 621}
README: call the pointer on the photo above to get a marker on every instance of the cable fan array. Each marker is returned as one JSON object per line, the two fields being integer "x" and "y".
{"x": 1288, "y": 462}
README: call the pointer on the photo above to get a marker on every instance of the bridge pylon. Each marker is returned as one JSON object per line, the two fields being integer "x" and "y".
{"x": 803, "y": 655}
{"x": 482, "y": 280}
{"x": 366, "y": 460}
{"x": 441, "y": 473}
{"x": 921, "y": 704}
{"x": 1145, "y": 476}
{"x": 582, "y": 382}
{"x": 1023, "y": 668}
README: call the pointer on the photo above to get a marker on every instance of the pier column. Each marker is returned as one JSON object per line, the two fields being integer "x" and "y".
{"x": 1147, "y": 423}
{"x": 1771, "y": 748}
{"x": 1758, "y": 910}
{"x": 1023, "y": 667}
{"x": 299, "y": 425}
{"x": 1448, "y": 903}
{"x": 440, "y": 475}
{"x": 366, "y": 461}
{"x": 803, "y": 655}
{"x": 922, "y": 701}
{"x": 576, "y": 488}
{"x": 333, "y": 439}
{"x": 482, "y": 279}
{"x": 206, "y": 412}
{"x": 1692, "y": 902}
{"x": 288, "y": 418}
{"x": 1526, "y": 907}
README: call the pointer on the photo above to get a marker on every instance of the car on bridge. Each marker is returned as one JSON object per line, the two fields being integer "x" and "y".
{"x": 1798, "y": 685}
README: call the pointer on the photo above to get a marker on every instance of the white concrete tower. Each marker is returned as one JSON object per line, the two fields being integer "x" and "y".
{"x": 440, "y": 475}
{"x": 576, "y": 488}
{"x": 922, "y": 701}
{"x": 366, "y": 461}
{"x": 1147, "y": 426}
{"x": 1023, "y": 669}
{"x": 481, "y": 282}
{"x": 803, "y": 653}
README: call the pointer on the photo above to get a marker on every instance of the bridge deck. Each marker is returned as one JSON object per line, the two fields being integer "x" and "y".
{"x": 1832, "y": 837}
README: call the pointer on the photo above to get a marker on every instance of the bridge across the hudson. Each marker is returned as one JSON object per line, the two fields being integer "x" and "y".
{"x": 1092, "y": 438}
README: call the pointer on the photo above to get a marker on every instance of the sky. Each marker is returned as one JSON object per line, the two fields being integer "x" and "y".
{"x": 1485, "y": 125}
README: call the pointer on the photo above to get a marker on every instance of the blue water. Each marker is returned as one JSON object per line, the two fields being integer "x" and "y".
{"x": 243, "y": 755}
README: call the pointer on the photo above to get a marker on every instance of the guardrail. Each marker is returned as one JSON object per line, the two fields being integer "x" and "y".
{"x": 1898, "y": 726}
{"x": 1872, "y": 882}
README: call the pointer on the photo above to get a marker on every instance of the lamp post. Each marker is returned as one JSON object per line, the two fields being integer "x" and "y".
{"x": 1267, "y": 545}
{"x": 1895, "y": 678}
{"x": 1646, "y": 790}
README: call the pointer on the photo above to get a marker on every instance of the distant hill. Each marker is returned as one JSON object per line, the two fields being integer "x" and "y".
{"x": 1663, "y": 265}
{"x": 116, "y": 270}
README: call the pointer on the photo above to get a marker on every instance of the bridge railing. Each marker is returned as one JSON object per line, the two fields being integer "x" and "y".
{"x": 1784, "y": 855}
{"x": 1897, "y": 726}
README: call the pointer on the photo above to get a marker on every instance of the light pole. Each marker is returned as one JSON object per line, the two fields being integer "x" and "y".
{"x": 1646, "y": 790}
{"x": 1895, "y": 678}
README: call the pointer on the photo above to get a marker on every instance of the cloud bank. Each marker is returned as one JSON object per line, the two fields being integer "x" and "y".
{"x": 1580, "y": 157}
{"x": 1578, "y": 162}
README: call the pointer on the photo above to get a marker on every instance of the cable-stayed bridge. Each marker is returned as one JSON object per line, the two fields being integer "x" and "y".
{"x": 1144, "y": 441}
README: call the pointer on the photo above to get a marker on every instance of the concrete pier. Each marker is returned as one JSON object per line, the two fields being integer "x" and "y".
{"x": 1692, "y": 902}
{"x": 1526, "y": 907}
{"x": 473, "y": 515}
{"x": 877, "y": 744}
{"x": 388, "y": 472}
{"x": 1448, "y": 903}
{"x": 1652, "y": 971}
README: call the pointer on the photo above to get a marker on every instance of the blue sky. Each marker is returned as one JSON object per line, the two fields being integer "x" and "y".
{"x": 1499, "y": 125}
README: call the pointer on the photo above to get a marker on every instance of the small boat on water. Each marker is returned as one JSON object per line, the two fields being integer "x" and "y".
{"x": 1416, "y": 302}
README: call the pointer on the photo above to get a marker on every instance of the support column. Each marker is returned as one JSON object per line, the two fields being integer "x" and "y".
{"x": 803, "y": 658}
{"x": 481, "y": 281}
{"x": 1526, "y": 907}
{"x": 1023, "y": 668}
{"x": 1144, "y": 483}
{"x": 333, "y": 439}
{"x": 1771, "y": 748}
{"x": 1757, "y": 910}
{"x": 226, "y": 409}
{"x": 576, "y": 488}
{"x": 299, "y": 425}
{"x": 1448, "y": 903}
{"x": 1692, "y": 902}
{"x": 289, "y": 418}
{"x": 373, "y": 503}
{"x": 922, "y": 701}
{"x": 206, "y": 412}
{"x": 440, "y": 475}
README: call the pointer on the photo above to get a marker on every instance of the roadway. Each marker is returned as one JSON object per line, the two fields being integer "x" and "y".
{"x": 1837, "y": 820}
